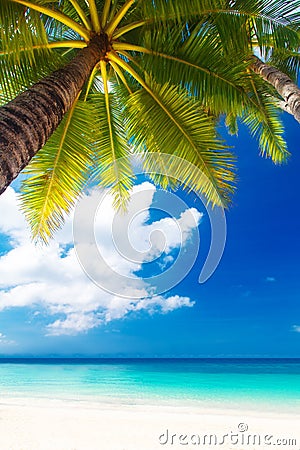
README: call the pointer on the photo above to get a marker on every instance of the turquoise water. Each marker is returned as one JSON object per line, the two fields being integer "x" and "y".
{"x": 268, "y": 384}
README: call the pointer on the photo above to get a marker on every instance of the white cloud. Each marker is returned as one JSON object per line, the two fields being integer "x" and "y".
{"x": 52, "y": 280}
{"x": 5, "y": 341}
{"x": 166, "y": 261}
{"x": 74, "y": 323}
{"x": 296, "y": 328}
{"x": 270, "y": 279}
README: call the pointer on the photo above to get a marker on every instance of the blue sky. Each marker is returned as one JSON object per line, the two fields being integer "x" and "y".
{"x": 249, "y": 307}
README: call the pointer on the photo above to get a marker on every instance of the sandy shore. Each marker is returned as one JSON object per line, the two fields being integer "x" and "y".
{"x": 31, "y": 424}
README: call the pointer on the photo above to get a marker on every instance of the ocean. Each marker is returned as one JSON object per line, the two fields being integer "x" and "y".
{"x": 269, "y": 384}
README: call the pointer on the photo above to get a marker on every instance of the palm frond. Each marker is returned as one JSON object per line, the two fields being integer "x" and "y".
{"x": 169, "y": 121}
{"x": 231, "y": 123}
{"x": 21, "y": 28}
{"x": 286, "y": 60}
{"x": 266, "y": 23}
{"x": 199, "y": 65}
{"x": 24, "y": 55}
{"x": 21, "y": 31}
{"x": 164, "y": 10}
{"x": 262, "y": 118}
{"x": 112, "y": 167}
{"x": 55, "y": 13}
{"x": 73, "y": 9}
{"x": 58, "y": 173}
{"x": 57, "y": 30}
{"x": 275, "y": 23}
{"x": 17, "y": 77}
{"x": 259, "y": 23}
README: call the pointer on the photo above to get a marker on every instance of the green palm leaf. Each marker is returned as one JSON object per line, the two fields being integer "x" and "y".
{"x": 57, "y": 175}
{"x": 24, "y": 56}
{"x": 112, "y": 167}
{"x": 286, "y": 60}
{"x": 199, "y": 64}
{"x": 21, "y": 28}
{"x": 175, "y": 124}
{"x": 275, "y": 19}
{"x": 265, "y": 124}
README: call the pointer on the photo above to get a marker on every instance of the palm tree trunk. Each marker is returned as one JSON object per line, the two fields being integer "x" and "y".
{"x": 288, "y": 90}
{"x": 27, "y": 122}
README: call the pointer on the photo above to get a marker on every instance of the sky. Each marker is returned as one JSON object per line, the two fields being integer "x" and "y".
{"x": 119, "y": 297}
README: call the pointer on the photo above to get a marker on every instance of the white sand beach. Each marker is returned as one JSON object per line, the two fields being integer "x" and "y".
{"x": 44, "y": 424}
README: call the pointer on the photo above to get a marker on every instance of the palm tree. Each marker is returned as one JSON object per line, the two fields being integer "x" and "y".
{"x": 288, "y": 91}
{"x": 92, "y": 81}
{"x": 272, "y": 28}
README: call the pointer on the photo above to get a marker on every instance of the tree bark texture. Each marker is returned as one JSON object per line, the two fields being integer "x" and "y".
{"x": 27, "y": 122}
{"x": 288, "y": 90}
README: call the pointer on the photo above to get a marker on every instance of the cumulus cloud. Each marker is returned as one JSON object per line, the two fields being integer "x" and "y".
{"x": 51, "y": 279}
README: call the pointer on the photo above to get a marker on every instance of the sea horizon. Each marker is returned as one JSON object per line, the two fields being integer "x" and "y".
{"x": 4, "y": 358}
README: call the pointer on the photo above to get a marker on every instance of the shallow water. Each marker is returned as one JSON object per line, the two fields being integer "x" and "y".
{"x": 267, "y": 384}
